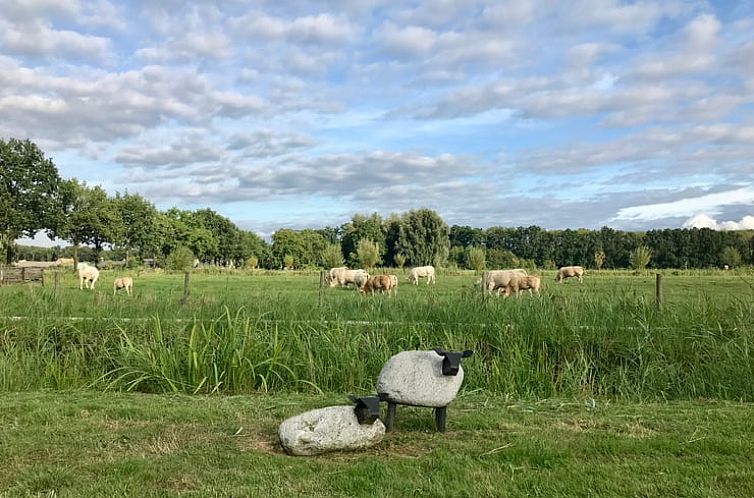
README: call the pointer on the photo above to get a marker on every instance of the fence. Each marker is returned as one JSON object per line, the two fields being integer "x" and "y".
{"x": 15, "y": 275}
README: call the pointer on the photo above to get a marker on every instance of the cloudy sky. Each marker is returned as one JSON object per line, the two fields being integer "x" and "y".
{"x": 299, "y": 114}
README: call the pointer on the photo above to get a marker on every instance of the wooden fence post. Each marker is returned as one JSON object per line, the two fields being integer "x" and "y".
{"x": 23, "y": 275}
{"x": 57, "y": 283}
{"x": 322, "y": 284}
{"x": 483, "y": 286}
{"x": 185, "y": 288}
{"x": 658, "y": 290}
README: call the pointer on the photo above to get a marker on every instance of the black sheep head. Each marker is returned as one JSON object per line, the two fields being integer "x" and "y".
{"x": 452, "y": 360}
{"x": 367, "y": 408}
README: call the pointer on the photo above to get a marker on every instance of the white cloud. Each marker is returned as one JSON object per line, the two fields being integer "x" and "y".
{"x": 709, "y": 203}
{"x": 706, "y": 221}
{"x": 37, "y": 38}
{"x": 321, "y": 29}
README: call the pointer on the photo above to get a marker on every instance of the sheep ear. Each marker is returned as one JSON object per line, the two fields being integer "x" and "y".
{"x": 467, "y": 353}
{"x": 439, "y": 351}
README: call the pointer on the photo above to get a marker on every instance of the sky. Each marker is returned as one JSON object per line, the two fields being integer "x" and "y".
{"x": 579, "y": 114}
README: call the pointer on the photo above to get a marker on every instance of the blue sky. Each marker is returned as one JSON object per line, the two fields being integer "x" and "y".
{"x": 299, "y": 114}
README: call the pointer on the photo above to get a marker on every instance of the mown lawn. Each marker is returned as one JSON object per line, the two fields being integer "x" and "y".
{"x": 79, "y": 443}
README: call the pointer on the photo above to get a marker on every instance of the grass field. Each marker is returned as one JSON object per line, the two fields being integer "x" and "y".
{"x": 590, "y": 390}
{"x": 273, "y": 331}
{"x": 94, "y": 444}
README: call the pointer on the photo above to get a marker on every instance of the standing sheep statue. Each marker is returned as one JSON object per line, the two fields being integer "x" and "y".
{"x": 421, "y": 378}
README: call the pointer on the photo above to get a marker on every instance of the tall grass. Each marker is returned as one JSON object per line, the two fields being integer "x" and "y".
{"x": 270, "y": 333}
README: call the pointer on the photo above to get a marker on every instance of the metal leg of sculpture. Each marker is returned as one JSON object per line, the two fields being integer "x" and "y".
{"x": 440, "y": 415}
{"x": 390, "y": 416}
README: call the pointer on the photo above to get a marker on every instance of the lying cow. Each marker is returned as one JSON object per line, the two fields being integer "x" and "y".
{"x": 123, "y": 283}
{"x": 378, "y": 283}
{"x": 497, "y": 280}
{"x": 521, "y": 283}
{"x": 427, "y": 272}
{"x": 568, "y": 272}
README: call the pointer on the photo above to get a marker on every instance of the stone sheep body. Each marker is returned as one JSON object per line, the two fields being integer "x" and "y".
{"x": 87, "y": 275}
{"x": 521, "y": 283}
{"x": 126, "y": 283}
{"x": 427, "y": 272}
{"x": 497, "y": 280}
{"x": 570, "y": 271}
{"x": 416, "y": 378}
{"x": 378, "y": 283}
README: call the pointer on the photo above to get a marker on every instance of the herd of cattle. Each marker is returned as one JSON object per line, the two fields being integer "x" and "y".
{"x": 505, "y": 282}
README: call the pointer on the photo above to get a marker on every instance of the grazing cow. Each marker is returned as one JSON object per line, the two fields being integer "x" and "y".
{"x": 89, "y": 275}
{"x": 333, "y": 274}
{"x": 522, "y": 283}
{"x": 123, "y": 283}
{"x": 427, "y": 272}
{"x": 499, "y": 279}
{"x": 378, "y": 283}
{"x": 568, "y": 272}
{"x": 341, "y": 277}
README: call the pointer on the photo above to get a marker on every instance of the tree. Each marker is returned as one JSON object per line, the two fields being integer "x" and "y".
{"x": 331, "y": 256}
{"x": 731, "y": 257}
{"x": 400, "y": 260}
{"x": 137, "y": 216}
{"x": 181, "y": 259}
{"x": 639, "y": 257}
{"x": 224, "y": 231}
{"x": 177, "y": 227}
{"x": 29, "y": 193}
{"x": 252, "y": 245}
{"x": 476, "y": 259}
{"x": 91, "y": 217}
{"x": 367, "y": 254}
{"x": 286, "y": 242}
{"x": 362, "y": 227}
{"x": 423, "y": 237}
{"x": 599, "y": 258}
{"x": 466, "y": 236}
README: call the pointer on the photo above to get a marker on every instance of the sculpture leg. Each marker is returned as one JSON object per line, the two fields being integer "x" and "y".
{"x": 440, "y": 415}
{"x": 390, "y": 416}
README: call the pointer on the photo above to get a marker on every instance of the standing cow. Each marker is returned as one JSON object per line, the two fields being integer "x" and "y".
{"x": 88, "y": 276}
{"x": 126, "y": 283}
{"x": 427, "y": 272}
{"x": 520, "y": 283}
{"x": 378, "y": 283}
{"x": 497, "y": 280}
{"x": 568, "y": 272}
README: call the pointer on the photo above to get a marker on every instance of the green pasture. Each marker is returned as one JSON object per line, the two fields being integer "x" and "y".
{"x": 86, "y": 444}
{"x": 276, "y": 331}
{"x": 589, "y": 390}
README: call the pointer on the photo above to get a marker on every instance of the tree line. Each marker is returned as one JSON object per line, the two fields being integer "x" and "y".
{"x": 33, "y": 197}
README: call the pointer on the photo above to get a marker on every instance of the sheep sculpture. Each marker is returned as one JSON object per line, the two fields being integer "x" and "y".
{"x": 421, "y": 378}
